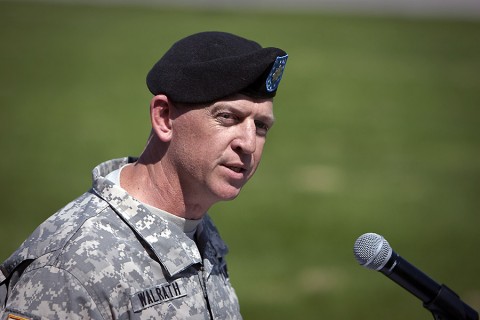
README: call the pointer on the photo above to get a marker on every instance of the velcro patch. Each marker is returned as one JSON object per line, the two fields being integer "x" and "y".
{"x": 12, "y": 316}
{"x": 157, "y": 294}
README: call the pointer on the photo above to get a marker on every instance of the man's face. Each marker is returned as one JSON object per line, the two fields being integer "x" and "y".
{"x": 216, "y": 149}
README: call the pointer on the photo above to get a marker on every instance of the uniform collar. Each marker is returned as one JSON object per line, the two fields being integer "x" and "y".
{"x": 171, "y": 246}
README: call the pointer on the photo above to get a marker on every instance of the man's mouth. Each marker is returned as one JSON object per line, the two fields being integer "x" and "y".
{"x": 236, "y": 168}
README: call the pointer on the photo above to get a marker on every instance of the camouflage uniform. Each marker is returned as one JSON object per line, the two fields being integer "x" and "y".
{"x": 105, "y": 256}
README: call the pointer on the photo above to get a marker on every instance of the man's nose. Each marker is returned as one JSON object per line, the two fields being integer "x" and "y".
{"x": 246, "y": 140}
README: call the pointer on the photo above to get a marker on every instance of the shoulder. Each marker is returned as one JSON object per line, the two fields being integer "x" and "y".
{"x": 56, "y": 231}
{"x": 51, "y": 293}
{"x": 65, "y": 266}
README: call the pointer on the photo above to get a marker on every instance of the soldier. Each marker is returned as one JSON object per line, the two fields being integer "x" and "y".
{"x": 140, "y": 244}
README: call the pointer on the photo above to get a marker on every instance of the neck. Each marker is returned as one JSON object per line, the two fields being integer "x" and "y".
{"x": 152, "y": 182}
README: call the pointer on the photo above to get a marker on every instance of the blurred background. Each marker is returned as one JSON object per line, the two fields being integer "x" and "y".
{"x": 378, "y": 130}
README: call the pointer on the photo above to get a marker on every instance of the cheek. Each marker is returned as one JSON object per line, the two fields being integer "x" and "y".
{"x": 259, "y": 151}
{"x": 260, "y": 145}
{"x": 185, "y": 150}
{"x": 195, "y": 149}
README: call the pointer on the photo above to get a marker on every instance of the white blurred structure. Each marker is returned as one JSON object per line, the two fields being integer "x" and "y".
{"x": 445, "y": 8}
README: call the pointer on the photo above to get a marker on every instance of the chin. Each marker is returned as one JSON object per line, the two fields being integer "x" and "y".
{"x": 228, "y": 193}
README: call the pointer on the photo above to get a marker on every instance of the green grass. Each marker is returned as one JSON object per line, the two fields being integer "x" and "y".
{"x": 378, "y": 130}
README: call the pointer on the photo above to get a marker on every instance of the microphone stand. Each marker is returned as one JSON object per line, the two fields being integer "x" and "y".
{"x": 448, "y": 306}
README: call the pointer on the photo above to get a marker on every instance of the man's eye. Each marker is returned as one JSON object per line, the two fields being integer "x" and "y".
{"x": 226, "y": 117}
{"x": 262, "y": 127}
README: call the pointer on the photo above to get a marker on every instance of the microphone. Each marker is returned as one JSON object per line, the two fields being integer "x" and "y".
{"x": 374, "y": 252}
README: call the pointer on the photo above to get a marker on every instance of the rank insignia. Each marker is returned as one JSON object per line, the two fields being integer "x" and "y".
{"x": 276, "y": 73}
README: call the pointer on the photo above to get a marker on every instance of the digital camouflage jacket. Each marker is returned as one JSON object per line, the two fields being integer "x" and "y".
{"x": 105, "y": 256}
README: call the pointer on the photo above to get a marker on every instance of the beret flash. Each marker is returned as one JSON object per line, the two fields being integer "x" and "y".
{"x": 207, "y": 66}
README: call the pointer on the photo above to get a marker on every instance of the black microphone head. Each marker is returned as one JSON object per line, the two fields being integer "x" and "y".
{"x": 372, "y": 251}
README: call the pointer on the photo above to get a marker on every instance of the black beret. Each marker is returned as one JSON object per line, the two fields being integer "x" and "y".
{"x": 207, "y": 66}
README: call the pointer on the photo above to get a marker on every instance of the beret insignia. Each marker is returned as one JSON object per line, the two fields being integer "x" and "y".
{"x": 276, "y": 73}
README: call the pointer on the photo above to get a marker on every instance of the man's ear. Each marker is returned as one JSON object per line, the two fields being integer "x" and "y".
{"x": 160, "y": 116}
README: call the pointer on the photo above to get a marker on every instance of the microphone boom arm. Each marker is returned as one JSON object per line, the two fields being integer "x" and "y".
{"x": 447, "y": 305}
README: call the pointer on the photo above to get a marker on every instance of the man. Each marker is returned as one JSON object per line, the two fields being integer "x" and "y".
{"x": 139, "y": 244}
